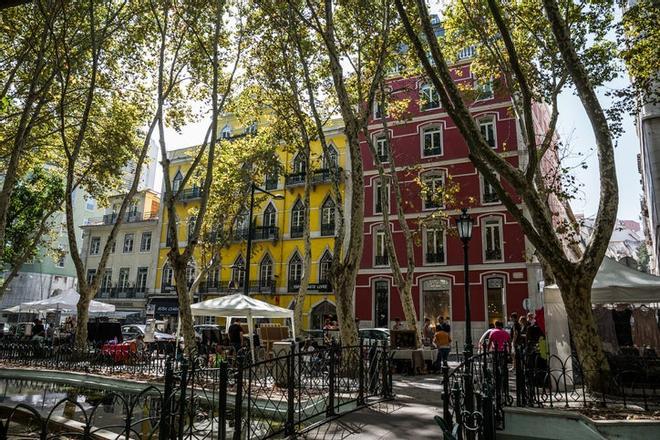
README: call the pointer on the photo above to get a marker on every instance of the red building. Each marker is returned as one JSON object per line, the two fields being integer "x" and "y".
{"x": 427, "y": 147}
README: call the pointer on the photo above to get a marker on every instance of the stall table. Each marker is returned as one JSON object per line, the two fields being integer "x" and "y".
{"x": 413, "y": 360}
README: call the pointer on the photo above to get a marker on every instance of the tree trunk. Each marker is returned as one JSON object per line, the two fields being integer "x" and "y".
{"x": 307, "y": 258}
{"x": 83, "y": 317}
{"x": 576, "y": 295}
{"x": 185, "y": 313}
{"x": 409, "y": 313}
{"x": 344, "y": 285}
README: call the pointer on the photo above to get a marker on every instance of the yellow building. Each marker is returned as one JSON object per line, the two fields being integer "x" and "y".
{"x": 277, "y": 246}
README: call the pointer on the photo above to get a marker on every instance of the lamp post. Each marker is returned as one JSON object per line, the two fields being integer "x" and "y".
{"x": 253, "y": 188}
{"x": 464, "y": 225}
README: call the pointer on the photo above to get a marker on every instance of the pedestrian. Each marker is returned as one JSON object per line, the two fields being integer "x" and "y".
{"x": 442, "y": 341}
{"x": 235, "y": 332}
{"x": 483, "y": 340}
{"x": 499, "y": 339}
{"x": 397, "y": 324}
{"x": 428, "y": 332}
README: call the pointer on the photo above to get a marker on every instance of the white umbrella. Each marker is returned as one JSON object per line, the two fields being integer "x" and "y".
{"x": 66, "y": 301}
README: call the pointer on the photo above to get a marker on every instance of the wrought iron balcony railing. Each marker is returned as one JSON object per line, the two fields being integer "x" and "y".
{"x": 328, "y": 229}
{"x": 381, "y": 260}
{"x": 129, "y": 217}
{"x": 435, "y": 257}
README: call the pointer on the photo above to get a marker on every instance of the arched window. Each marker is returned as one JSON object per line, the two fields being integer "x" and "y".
{"x": 330, "y": 160}
{"x": 297, "y": 219}
{"x": 324, "y": 267}
{"x": 238, "y": 272}
{"x": 191, "y": 226}
{"x": 328, "y": 217}
{"x": 168, "y": 275}
{"x": 266, "y": 272}
{"x": 299, "y": 165}
{"x": 295, "y": 272}
{"x": 176, "y": 183}
{"x": 269, "y": 219}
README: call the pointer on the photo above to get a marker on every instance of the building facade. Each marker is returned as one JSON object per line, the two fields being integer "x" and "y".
{"x": 276, "y": 261}
{"x": 429, "y": 152}
{"x": 130, "y": 271}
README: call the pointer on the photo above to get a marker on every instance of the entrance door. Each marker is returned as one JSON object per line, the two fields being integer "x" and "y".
{"x": 436, "y": 299}
{"x": 495, "y": 300}
{"x": 321, "y": 312}
{"x": 381, "y": 304}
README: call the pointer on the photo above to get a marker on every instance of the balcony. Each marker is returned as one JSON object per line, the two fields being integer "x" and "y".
{"x": 297, "y": 231}
{"x": 381, "y": 260}
{"x": 122, "y": 293}
{"x": 493, "y": 254}
{"x": 435, "y": 257}
{"x": 129, "y": 217}
{"x": 295, "y": 179}
{"x": 189, "y": 194}
{"x": 258, "y": 233}
{"x": 228, "y": 286}
{"x": 324, "y": 175}
{"x": 328, "y": 230}
{"x": 491, "y": 197}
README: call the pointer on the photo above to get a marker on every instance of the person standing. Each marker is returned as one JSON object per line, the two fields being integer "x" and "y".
{"x": 499, "y": 339}
{"x": 397, "y": 324}
{"x": 235, "y": 332}
{"x": 442, "y": 341}
{"x": 427, "y": 332}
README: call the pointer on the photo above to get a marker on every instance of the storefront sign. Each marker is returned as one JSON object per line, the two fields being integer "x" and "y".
{"x": 165, "y": 307}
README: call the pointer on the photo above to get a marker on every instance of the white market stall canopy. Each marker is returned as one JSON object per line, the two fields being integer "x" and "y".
{"x": 66, "y": 301}
{"x": 241, "y": 306}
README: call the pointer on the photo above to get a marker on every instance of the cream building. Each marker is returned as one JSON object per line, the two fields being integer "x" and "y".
{"x": 130, "y": 270}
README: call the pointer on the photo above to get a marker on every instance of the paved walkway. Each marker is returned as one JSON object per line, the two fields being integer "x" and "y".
{"x": 409, "y": 416}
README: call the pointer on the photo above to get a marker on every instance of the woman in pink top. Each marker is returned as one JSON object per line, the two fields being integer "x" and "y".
{"x": 499, "y": 339}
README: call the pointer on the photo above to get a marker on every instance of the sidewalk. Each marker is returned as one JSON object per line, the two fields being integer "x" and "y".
{"x": 409, "y": 416}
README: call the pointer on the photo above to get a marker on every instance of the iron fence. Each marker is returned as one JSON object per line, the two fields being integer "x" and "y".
{"x": 278, "y": 397}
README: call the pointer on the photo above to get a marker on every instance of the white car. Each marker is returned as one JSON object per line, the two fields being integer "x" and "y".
{"x": 371, "y": 336}
{"x": 132, "y": 331}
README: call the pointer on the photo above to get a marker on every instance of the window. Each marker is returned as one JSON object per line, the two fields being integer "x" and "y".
{"x": 176, "y": 183}
{"x": 90, "y": 204}
{"x": 271, "y": 180}
{"x": 433, "y": 191}
{"x": 378, "y": 108}
{"x": 61, "y": 256}
{"x": 330, "y": 160}
{"x": 191, "y": 227}
{"x": 324, "y": 267}
{"x": 328, "y": 217}
{"x": 190, "y": 274}
{"x": 128, "y": 243}
{"x": 429, "y": 97}
{"x": 484, "y": 89}
{"x": 381, "y": 304}
{"x": 242, "y": 225}
{"x": 122, "y": 283}
{"x": 114, "y": 246}
{"x": 299, "y": 165}
{"x": 436, "y": 300}
{"x": 168, "y": 275}
{"x": 378, "y": 208}
{"x": 91, "y": 273}
{"x": 141, "y": 281}
{"x": 488, "y": 194}
{"x": 432, "y": 141}
{"x": 238, "y": 272}
{"x": 466, "y": 52}
{"x": 487, "y": 127}
{"x": 213, "y": 278}
{"x": 145, "y": 242}
{"x": 297, "y": 219}
{"x": 295, "y": 272}
{"x": 269, "y": 219}
{"x": 226, "y": 132}
{"x": 132, "y": 210}
{"x": 265, "y": 271}
{"x": 383, "y": 148}
{"x": 381, "y": 249}
{"x": 95, "y": 246}
{"x": 106, "y": 284}
{"x": 493, "y": 240}
{"x": 435, "y": 246}
{"x": 495, "y": 300}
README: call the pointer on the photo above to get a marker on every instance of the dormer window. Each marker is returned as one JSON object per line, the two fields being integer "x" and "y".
{"x": 178, "y": 179}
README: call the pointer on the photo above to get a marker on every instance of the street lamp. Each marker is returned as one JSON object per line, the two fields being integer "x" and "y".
{"x": 464, "y": 225}
{"x": 253, "y": 188}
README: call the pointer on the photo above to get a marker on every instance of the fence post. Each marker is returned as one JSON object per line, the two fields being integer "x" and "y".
{"x": 387, "y": 392}
{"x": 182, "y": 396}
{"x": 446, "y": 415}
{"x": 164, "y": 428}
{"x": 238, "y": 405}
{"x": 290, "y": 381}
{"x": 222, "y": 403}
{"x": 360, "y": 399}
{"x": 330, "y": 411}
{"x": 458, "y": 410}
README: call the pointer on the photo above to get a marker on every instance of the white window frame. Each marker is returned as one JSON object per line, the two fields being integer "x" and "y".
{"x": 379, "y": 239}
{"x": 129, "y": 238}
{"x": 265, "y": 270}
{"x": 427, "y": 90}
{"x": 332, "y": 160}
{"x": 381, "y": 142}
{"x": 123, "y": 277}
{"x": 388, "y": 191}
{"x": 295, "y": 268}
{"x": 298, "y": 214}
{"x": 431, "y": 130}
{"x": 482, "y": 190}
{"x": 94, "y": 245}
{"x": 389, "y": 299}
{"x": 432, "y": 175}
{"x": 167, "y": 275}
{"x": 298, "y": 165}
{"x": 106, "y": 282}
{"x": 176, "y": 182}
{"x": 91, "y": 273}
{"x": 486, "y": 121}
{"x": 443, "y": 242}
{"x": 145, "y": 241}
{"x": 328, "y": 212}
{"x": 325, "y": 264}
{"x": 504, "y": 305}
{"x": 269, "y": 218}
{"x": 488, "y": 223}
{"x": 477, "y": 85}
{"x": 138, "y": 287}
{"x": 238, "y": 271}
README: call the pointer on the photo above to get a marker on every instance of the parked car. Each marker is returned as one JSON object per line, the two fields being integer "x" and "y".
{"x": 4, "y": 329}
{"x": 374, "y": 335}
{"x": 132, "y": 331}
{"x": 213, "y": 332}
